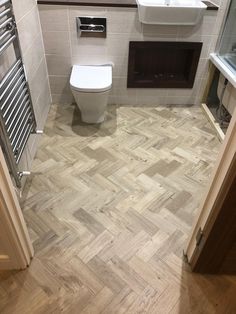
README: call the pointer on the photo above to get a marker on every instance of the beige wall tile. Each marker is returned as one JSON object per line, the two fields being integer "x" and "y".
{"x": 33, "y": 57}
{"x": 58, "y": 65}
{"x": 57, "y": 43}
{"x": 123, "y": 20}
{"x": 59, "y": 83}
{"x": 22, "y": 8}
{"x": 157, "y": 30}
{"x": 88, "y": 46}
{"x": 32, "y": 47}
{"x": 123, "y": 26}
{"x": 29, "y": 29}
{"x": 62, "y": 98}
{"x": 37, "y": 81}
{"x": 42, "y": 105}
{"x": 54, "y": 18}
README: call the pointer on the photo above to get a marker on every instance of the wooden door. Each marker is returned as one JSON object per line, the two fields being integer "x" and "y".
{"x": 214, "y": 232}
{"x": 16, "y": 250}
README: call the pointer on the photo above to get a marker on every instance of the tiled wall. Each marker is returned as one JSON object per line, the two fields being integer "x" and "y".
{"x": 30, "y": 34}
{"x": 63, "y": 49}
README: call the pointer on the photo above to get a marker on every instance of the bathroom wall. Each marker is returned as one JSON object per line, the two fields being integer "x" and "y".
{"x": 30, "y": 34}
{"x": 63, "y": 49}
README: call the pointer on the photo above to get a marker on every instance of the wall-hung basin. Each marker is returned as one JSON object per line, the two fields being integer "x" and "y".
{"x": 171, "y": 12}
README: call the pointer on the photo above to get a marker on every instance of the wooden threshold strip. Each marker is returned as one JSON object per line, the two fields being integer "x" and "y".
{"x": 213, "y": 122}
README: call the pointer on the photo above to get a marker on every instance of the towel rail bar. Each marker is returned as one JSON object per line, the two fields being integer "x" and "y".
{"x": 9, "y": 73}
{"x": 6, "y": 106}
{"x": 16, "y": 109}
{"x": 4, "y": 2}
{"x": 26, "y": 135}
{"x": 17, "y": 139}
{"x": 5, "y": 12}
{"x": 17, "y": 118}
{"x": 21, "y": 103}
{"x": 19, "y": 123}
{"x": 10, "y": 81}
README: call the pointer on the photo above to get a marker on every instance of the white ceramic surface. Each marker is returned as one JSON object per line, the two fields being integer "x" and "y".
{"x": 90, "y": 86}
{"x": 224, "y": 68}
{"x": 91, "y": 78}
{"x": 171, "y": 12}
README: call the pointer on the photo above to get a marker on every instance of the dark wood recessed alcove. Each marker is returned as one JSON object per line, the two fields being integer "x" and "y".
{"x": 163, "y": 64}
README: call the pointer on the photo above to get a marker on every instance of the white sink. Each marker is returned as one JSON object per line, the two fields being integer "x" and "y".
{"x": 171, "y": 12}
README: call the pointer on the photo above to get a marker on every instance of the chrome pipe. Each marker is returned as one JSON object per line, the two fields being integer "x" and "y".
{"x": 39, "y": 132}
{"x": 24, "y": 174}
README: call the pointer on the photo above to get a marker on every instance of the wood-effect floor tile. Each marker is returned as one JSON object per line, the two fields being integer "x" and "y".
{"x": 109, "y": 209}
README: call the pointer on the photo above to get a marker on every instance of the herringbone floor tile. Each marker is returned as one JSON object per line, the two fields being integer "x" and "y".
{"x": 109, "y": 209}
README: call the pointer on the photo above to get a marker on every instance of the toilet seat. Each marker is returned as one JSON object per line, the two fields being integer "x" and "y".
{"x": 91, "y": 79}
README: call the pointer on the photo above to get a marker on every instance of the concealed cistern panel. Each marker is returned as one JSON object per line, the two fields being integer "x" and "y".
{"x": 89, "y": 26}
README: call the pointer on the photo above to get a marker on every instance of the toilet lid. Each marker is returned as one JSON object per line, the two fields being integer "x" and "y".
{"x": 88, "y": 78}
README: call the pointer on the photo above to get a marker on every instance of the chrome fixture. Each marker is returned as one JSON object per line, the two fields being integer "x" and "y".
{"x": 24, "y": 174}
{"x": 17, "y": 119}
{"x": 39, "y": 132}
{"x": 89, "y": 26}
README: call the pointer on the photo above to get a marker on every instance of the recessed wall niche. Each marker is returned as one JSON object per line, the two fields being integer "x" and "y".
{"x": 163, "y": 64}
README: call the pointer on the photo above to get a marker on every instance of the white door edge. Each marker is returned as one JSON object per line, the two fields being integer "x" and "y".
{"x": 16, "y": 249}
{"x": 226, "y": 158}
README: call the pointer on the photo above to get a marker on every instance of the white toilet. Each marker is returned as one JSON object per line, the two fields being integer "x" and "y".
{"x": 90, "y": 86}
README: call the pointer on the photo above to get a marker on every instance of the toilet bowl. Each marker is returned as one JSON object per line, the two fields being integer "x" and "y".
{"x": 90, "y": 86}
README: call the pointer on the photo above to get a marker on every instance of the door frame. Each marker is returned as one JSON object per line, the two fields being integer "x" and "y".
{"x": 214, "y": 231}
{"x": 16, "y": 250}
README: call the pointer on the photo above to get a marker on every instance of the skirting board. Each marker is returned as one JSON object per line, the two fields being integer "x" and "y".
{"x": 213, "y": 122}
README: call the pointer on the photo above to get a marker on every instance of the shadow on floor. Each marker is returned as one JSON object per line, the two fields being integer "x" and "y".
{"x": 108, "y": 127}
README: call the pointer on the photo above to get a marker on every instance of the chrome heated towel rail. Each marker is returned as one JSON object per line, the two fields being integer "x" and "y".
{"x": 17, "y": 119}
